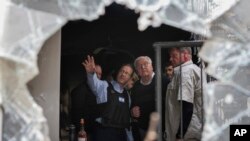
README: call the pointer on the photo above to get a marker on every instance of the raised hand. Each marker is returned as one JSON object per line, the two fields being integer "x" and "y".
{"x": 89, "y": 64}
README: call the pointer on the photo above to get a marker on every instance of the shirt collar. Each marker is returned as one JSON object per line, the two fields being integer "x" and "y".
{"x": 184, "y": 64}
{"x": 117, "y": 86}
{"x": 153, "y": 74}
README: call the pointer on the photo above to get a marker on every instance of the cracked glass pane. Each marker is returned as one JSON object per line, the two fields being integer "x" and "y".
{"x": 26, "y": 122}
{"x": 228, "y": 66}
{"x": 234, "y": 24}
{"x": 227, "y": 102}
{"x": 194, "y": 15}
{"x": 225, "y": 105}
{"x": 35, "y": 21}
{"x": 23, "y": 32}
{"x": 72, "y": 10}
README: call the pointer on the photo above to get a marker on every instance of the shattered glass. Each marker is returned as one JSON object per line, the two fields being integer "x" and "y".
{"x": 69, "y": 9}
{"x": 225, "y": 105}
{"x": 26, "y": 24}
{"x": 227, "y": 101}
{"x": 234, "y": 24}
{"x": 22, "y": 35}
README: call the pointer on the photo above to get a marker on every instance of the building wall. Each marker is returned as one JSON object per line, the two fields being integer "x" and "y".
{"x": 45, "y": 88}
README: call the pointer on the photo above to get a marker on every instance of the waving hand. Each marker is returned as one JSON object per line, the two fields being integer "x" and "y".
{"x": 89, "y": 64}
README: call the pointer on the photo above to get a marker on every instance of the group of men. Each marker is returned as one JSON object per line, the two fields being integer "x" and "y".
{"x": 181, "y": 98}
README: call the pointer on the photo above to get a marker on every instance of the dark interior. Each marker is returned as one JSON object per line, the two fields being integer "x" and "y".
{"x": 116, "y": 31}
{"x": 113, "y": 39}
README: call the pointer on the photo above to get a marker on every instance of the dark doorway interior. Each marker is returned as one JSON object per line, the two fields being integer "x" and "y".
{"x": 116, "y": 30}
{"x": 112, "y": 38}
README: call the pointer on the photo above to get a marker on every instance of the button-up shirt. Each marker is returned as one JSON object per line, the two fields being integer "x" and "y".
{"x": 99, "y": 87}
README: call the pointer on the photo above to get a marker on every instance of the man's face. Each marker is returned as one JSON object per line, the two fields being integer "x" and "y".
{"x": 130, "y": 83}
{"x": 176, "y": 57}
{"x": 98, "y": 71}
{"x": 169, "y": 71}
{"x": 124, "y": 75}
{"x": 144, "y": 68}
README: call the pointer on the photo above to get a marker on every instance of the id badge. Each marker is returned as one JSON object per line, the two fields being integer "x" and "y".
{"x": 121, "y": 99}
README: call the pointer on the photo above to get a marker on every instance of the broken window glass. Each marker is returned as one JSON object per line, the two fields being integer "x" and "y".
{"x": 26, "y": 24}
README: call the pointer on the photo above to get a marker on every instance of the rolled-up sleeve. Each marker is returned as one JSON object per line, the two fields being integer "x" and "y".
{"x": 187, "y": 89}
{"x": 98, "y": 87}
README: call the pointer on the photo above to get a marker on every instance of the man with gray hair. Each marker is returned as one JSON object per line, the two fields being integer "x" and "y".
{"x": 143, "y": 95}
{"x": 183, "y": 98}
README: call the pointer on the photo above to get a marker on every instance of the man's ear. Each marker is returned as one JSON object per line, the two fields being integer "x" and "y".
{"x": 186, "y": 55}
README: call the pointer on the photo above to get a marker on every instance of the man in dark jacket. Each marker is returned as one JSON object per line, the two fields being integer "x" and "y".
{"x": 114, "y": 101}
{"x": 83, "y": 105}
{"x": 143, "y": 96}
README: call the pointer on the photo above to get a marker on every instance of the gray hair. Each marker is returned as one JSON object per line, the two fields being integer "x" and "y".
{"x": 182, "y": 49}
{"x": 148, "y": 59}
{"x": 186, "y": 48}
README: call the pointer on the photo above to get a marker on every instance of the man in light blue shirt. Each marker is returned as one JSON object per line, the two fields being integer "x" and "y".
{"x": 113, "y": 100}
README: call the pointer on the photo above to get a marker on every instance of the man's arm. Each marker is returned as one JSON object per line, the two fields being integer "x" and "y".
{"x": 187, "y": 112}
{"x": 187, "y": 99}
{"x": 97, "y": 86}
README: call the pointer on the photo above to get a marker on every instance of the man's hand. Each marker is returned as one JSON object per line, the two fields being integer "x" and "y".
{"x": 135, "y": 111}
{"x": 179, "y": 140}
{"x": 89, "y": 64}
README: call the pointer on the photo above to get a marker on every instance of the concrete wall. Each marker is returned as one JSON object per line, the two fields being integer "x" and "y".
{"x": 45, "y": 88}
